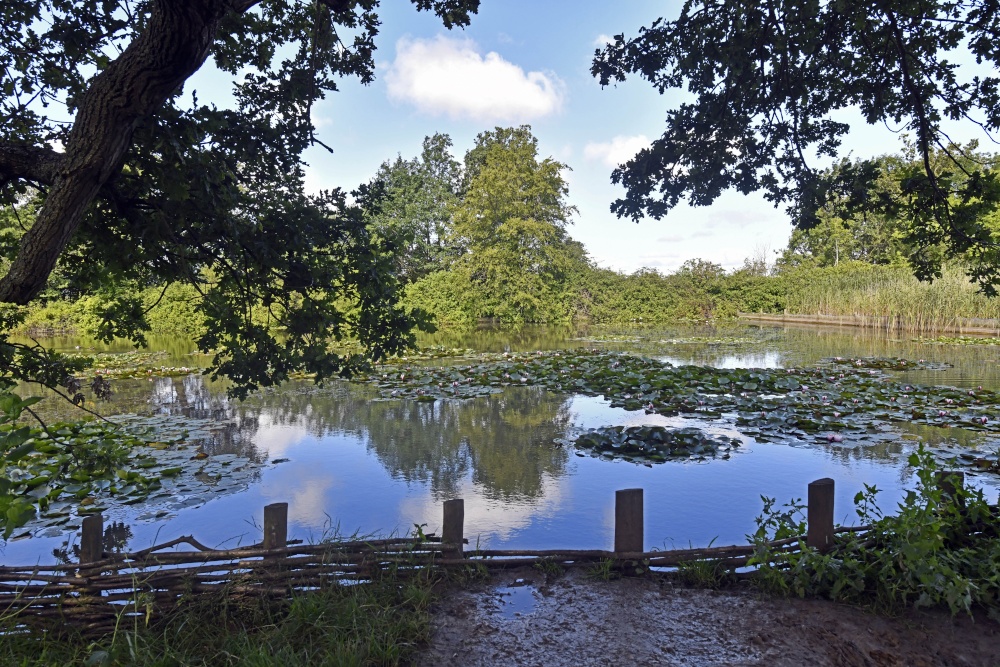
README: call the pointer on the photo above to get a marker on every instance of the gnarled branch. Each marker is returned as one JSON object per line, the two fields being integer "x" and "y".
{"x": 21, "y": 161}
{"x": 174, "y": 44}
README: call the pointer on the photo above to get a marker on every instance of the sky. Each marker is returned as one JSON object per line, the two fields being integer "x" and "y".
{"x": 528, "y": 62}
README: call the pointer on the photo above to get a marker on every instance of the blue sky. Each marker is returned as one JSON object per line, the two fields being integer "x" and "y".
{"x": 528, "y": 62}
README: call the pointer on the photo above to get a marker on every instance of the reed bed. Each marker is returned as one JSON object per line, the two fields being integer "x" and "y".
{"x": 891, "y": 298}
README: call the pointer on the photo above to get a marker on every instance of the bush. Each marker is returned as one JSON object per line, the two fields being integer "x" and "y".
{"x": 936, "y": 551}
{"x": 448, "y": 296}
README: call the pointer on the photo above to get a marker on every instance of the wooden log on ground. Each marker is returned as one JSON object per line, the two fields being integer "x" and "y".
{"x": 275, "y": 528}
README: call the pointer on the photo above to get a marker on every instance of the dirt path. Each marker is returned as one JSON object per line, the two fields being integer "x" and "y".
{"x": 525, "y": 618}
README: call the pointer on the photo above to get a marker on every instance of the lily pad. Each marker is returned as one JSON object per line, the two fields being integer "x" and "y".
{"x": 655, "y": 444}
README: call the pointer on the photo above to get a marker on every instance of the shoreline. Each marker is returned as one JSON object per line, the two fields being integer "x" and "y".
{"x": 970, "y": 326}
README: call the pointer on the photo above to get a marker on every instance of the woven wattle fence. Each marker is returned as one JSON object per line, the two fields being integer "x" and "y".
{"x": 104, "y": 590}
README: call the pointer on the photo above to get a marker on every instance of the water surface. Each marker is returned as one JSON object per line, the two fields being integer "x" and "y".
{"x": 347, "y": 463}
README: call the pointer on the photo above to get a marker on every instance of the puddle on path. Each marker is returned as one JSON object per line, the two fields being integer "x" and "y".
{"x": 581, "y": 621}
{"x": 516, "y": 599}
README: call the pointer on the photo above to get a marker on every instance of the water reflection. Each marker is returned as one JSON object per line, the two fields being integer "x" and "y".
{"x": 180, "y": 351}
{"x": 504, "y": 441}
{"x": 380, "y": 466}
{"x": 526, "y": 338}
{"x": 114, "y": 541}
{"x": 769, "y": 359}
{"x": 935, "y": 435}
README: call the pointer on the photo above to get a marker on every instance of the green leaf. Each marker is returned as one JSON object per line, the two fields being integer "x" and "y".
{"x": 20, "y": 451}
{"x": 13, "y": 439}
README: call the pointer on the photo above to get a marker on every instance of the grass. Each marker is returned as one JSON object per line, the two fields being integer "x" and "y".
{"x": 550, "y": 568}
{"x": 889, "y": 292}
{"x": 604, "y": 570}
{"x": 380, "y": 623}
{"x": 707, "y": 573}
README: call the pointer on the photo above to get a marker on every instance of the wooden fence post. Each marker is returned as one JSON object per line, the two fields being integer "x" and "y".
{"x": 275, "y": 526}
{"x": 951, "y": 482}
{"x": 628, "y": 521}
{"x": 453, "y": 531}
{"x": 819, "y": 517}
{"x": 92, "y": 539}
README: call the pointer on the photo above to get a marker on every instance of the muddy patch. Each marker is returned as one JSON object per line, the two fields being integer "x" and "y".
{"x": 528, "y": 618}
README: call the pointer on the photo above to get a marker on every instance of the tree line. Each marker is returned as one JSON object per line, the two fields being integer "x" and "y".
{"x": 139, "y": 185}
{"x": 488, "y": 238}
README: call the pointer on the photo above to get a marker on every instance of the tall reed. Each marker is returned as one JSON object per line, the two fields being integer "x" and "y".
{"x": 889, "y": 297}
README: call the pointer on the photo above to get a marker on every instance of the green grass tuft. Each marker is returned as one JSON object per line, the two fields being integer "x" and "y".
{"x": 379, "y": 623}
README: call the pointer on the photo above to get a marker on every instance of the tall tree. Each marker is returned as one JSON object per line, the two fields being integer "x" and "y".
{"x": 153, "y": 185}
{"x": 415, "y": 205}
{"x": 511, "y": 224}
{"x": 766, "y": 80}
{"x": 887, "y": 233}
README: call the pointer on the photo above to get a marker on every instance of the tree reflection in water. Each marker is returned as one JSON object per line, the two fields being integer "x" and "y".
{"x": 504, "y": 441}
{"x": 115, "y": 541}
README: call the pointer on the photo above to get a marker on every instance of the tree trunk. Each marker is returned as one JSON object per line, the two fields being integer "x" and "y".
{"x": 174, "y": 44}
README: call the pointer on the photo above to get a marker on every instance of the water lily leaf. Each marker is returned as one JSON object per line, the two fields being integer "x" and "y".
{"x": 40, "y": 492}
{"x": 19, "y": 452}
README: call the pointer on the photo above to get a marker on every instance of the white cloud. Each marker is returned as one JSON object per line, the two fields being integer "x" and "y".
{"x": 485, "y": 521}
{"x": 319, "y": 121}
{"x": 619, "y": 150}
{"x": 451, "y": 77}
{"x": 603, "y": 40}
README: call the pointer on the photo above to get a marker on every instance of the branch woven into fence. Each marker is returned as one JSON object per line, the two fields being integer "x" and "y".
{"x": 104, "y": 590}
{"x": 96, "y": 596}
{"x": 151, "y": 581}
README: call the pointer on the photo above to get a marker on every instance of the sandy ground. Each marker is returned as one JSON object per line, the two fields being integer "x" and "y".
{"x": 526, "y": 618}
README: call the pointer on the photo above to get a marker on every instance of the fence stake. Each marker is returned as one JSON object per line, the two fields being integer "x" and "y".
{"x": 92, "y": 539}
{"x": 628, "y": 520}
{"x": 819, "y": 533}
{"x": 453, "y": 531}
{"x": 951, "y": 482}
{"x": 276, "y": 526}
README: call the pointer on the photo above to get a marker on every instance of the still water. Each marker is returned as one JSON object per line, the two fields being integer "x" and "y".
{"x": 346, "y": 463}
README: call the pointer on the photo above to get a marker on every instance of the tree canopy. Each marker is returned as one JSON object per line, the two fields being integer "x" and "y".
{"x": 891, "y": 235}
{"x": 765, "y": 83}
{"x": 485, "y": 238}
{"x": 134, "y": 181}
{"x": 511, "y": 224}
{"x": 415, "y": 201}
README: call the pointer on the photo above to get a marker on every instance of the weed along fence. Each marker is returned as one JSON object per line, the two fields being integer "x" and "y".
{"x": 104, "y": 590}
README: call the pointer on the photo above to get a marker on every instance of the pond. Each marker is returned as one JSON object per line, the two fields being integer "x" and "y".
{"x": 349, "y": 458}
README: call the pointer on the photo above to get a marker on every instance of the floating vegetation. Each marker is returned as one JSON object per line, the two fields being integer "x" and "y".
{"x": 436, "y": 352}
{"x": 654, "y": 444}
{"x": 709, "y": 341}
{"x": 886, "y": 364}
{"x": 109, "y": 361}
{"x": 975, "y": 458}
{"x": 958, "y": 340}
{"x": 805, "y": 404}
{"x": 68, "y": 470}
{"x": 609, "y": 338}
{"x": 660, "y": 337}
{"x": 121, "y": 365}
